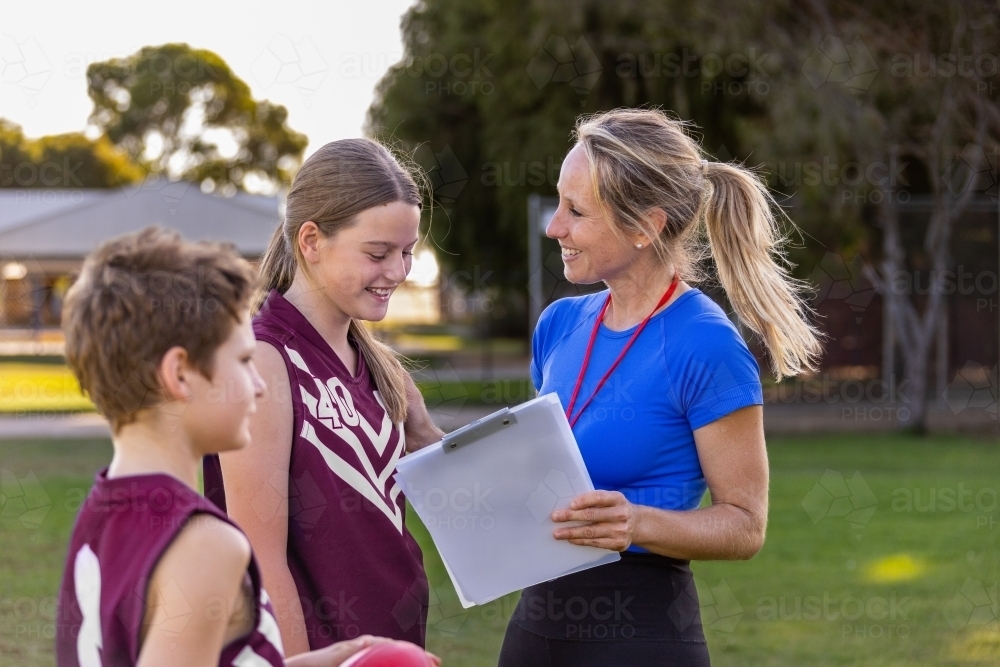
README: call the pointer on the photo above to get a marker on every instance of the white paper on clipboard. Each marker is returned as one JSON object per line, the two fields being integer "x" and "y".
{"x": 485, "y": 494}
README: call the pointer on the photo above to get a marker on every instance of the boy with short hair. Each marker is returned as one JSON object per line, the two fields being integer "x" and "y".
{"x": 158, "y": 333}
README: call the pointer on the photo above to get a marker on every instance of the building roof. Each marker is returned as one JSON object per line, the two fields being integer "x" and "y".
{"x": 71, "y": 223}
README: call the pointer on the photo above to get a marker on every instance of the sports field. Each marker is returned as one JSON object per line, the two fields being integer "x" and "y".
{"x": 881, "y": 550}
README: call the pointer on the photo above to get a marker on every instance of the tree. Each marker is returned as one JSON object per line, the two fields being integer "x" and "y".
{"x": 903, "y": 88}
{"x": 62, "y": 161}
{"x": 183, "y": 113}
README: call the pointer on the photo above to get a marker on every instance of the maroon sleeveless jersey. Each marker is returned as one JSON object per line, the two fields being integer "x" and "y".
{"x": 124, "y": 527}
{"x": 355, "y": 565}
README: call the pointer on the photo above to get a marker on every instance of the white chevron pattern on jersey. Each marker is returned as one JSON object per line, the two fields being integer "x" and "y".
{"x": 249, "y": 658}
{"x": 373, "y": 485}
{"x": 268, "y": 626}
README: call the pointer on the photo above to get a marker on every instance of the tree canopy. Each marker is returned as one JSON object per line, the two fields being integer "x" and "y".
{"x": 62, "y": 161}
{"x": 183, "y": 113}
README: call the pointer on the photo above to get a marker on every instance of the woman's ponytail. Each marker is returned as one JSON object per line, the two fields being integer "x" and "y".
{"x": 745, "y": 241}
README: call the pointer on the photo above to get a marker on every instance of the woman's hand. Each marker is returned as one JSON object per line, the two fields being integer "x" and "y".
{"x": 611, "y": 521}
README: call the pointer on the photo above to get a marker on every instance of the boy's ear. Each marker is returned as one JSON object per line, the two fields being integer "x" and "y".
{"x": 175, "y": 373}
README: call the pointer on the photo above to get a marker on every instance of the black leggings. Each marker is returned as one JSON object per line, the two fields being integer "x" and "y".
{"x": 526, "y": 649}
{"x": 641, "y": 611}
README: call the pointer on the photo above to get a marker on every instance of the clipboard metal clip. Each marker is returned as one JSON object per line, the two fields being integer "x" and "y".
{"x": 478, "y": 429}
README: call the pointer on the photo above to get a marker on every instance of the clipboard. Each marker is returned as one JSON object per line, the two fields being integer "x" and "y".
{"x": 485, "y": 494}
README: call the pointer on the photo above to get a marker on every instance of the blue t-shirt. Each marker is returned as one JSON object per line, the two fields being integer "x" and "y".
{"x": 688, "y": 368}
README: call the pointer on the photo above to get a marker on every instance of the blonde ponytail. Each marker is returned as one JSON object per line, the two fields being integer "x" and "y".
{"x": 745, "y": 241}
{"x": 643, "y": 160}
{"x": 337, "y": 182}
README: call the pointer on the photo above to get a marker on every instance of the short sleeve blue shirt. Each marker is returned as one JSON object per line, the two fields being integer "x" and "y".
{"x": 689, "y": 367}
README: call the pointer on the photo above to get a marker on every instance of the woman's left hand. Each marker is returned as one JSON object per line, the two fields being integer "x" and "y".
{"x": 611, "y": 518}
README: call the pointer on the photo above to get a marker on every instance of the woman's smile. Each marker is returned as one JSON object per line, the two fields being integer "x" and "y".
{"x": 569, "y": 254}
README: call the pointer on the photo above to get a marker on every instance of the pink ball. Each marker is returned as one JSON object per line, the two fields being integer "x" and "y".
{"x": 390, "y": 654}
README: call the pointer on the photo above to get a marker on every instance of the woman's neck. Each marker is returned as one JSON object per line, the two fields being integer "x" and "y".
{"x": 636, "y": 292}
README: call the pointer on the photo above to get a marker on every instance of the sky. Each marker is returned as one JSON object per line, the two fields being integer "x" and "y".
{"x": 319, "y": 59}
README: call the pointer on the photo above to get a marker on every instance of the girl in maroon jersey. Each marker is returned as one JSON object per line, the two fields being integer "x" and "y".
{"x": 314, "y": 491}
{"x": 158, "y": 334}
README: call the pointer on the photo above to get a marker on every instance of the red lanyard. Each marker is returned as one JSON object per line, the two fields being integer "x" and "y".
{"x": 621, "y": 355}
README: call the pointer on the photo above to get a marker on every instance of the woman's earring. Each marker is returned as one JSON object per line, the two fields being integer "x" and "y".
{"x": 638, "y": 245}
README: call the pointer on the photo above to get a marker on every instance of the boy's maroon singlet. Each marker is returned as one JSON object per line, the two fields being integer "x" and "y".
{"x": 356, "y": 566}
{"x": 122, "y": 531}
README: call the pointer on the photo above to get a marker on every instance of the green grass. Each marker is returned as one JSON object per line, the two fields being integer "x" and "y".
{"x": 919, "y": 555}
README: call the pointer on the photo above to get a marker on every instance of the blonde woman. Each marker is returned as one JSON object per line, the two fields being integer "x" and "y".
{"x": 661, "y": 391}
{"x": 314, "y": 489}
